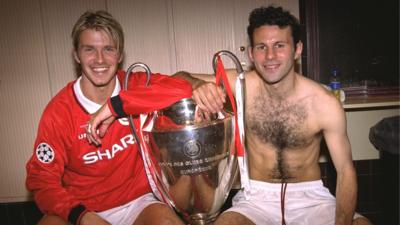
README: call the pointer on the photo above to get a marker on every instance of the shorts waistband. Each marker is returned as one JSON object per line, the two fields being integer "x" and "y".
{"x": 290, "y": 186}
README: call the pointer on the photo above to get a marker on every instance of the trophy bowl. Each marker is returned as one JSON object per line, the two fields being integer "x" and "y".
{"x": 195, "y": 159}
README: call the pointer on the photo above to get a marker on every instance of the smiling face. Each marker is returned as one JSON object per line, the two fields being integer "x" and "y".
{"x": 99, "y": 58}
{"x": 274, "y": 53}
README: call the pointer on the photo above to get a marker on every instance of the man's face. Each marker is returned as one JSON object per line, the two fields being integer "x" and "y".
{"x": 98, "y": 57}
{"x": 274, "y": 53}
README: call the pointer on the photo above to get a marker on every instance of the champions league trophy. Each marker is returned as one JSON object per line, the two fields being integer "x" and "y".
{"x": 190, "y": 157}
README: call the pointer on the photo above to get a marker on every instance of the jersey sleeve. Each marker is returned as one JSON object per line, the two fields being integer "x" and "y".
{"x": 46, "y": 167}
{"x": 162, "y": 92}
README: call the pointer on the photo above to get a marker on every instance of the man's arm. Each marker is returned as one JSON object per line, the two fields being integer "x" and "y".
{"x": 45, "y": 170}
{"x": 335, "y": 133}
{"x": 162, "y": 92}
{"x": 208, "y": 96}
{"x": 195, "y": 79}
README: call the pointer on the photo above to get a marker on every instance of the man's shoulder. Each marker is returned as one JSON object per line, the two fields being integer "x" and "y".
{"x": 62, "y": 101}
{"x": 314, "y": 88}
{"x": 320, "y": 95}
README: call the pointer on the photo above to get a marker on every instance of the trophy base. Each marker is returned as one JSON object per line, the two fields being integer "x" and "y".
{"x": 202, "y": 219}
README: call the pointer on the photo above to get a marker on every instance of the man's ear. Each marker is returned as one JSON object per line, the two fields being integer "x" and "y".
{"x": 121, "y": 57}
{"x": 298, "y": 50}
{"x": 250, "y": 53}
{"x": 76, "y": 57}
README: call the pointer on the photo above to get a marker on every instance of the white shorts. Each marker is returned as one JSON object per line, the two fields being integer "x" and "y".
{"x": 306, "y": 203}
{"x": 127, "y": 214}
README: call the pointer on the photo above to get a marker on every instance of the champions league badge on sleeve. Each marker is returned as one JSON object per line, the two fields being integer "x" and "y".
{"x": 44, "y": 153}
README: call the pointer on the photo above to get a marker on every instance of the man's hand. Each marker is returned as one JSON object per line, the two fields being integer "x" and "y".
{"x": 209, "y": 97}
{"x": 98, "y": 125}
{"x": 91, "y": 218}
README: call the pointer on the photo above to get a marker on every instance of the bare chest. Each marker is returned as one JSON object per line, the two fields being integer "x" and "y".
{"x": 278, "y": 123}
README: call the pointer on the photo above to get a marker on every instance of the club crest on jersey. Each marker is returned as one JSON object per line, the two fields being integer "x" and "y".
{"x": 124, "y": 121}
{"x": 45, "y": 153}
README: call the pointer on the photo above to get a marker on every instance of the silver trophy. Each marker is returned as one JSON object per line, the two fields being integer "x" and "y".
{"x": 190, "y": 158}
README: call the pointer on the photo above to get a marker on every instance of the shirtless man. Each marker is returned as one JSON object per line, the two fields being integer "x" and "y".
{"x": 287, "y": 115}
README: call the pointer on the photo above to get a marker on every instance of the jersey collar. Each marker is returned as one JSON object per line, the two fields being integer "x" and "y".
{"x": 87, "y": 104}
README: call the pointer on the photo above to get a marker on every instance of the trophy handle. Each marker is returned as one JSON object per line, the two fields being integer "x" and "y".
{"x": 239, "y": 87}
{"x": 239, "y": 67}
{"x": 240, "y": 103}
{"x": 128, "y": 73}
{"x": 153, "y": 177}
{"x": 240, "y": 78}
{"x": 133, "y": 66}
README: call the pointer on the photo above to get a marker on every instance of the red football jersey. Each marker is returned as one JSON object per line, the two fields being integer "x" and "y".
{"x": 65, "y": 171}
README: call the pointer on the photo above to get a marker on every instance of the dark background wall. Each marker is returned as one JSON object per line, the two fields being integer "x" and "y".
{"x": 360, "y": 38}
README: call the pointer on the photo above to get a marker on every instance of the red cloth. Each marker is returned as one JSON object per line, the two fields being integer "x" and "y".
{"x": 162, "y": 92}
{"x": 221, "y": 74}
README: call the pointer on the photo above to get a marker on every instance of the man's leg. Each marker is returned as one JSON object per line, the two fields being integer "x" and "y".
{"x": 158, "y": 214}
{"x": 361, "y": 221}
{"x": 232, "y": 218}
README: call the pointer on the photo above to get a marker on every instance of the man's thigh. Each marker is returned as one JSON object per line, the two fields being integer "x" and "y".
{"x": 232, "y": 218}
{"x": 159, "y": 214}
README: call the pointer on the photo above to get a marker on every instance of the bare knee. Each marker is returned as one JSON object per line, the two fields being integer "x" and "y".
{"x": 232, "y": 218}
{"x": 52, "y": 220}
{"x": 362, "y": 221}
{"x": 158, "y": 214}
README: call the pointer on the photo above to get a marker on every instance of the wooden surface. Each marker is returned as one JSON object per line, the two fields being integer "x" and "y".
{"x": 371, "y": 102}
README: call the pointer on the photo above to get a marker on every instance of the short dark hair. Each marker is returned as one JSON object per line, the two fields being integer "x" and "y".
{"x": 273, "y": 16}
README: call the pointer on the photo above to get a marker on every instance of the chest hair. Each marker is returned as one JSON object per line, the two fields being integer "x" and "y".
{"x": 280, "y": 124}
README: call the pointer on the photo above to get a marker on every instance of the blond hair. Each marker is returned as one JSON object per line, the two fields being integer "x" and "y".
{"x": 98, "y": 20}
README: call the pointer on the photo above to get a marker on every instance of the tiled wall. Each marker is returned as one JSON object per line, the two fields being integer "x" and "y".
{"x": 378, "y": 183}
